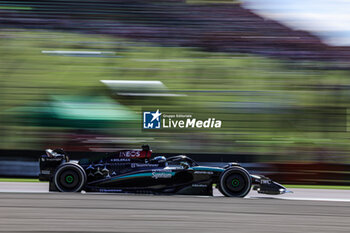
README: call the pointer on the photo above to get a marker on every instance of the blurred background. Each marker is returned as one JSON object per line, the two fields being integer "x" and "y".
{"x": 72, "y": 76}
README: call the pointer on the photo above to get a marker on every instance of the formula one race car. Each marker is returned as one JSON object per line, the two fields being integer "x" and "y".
{"x": 134, "y": 171}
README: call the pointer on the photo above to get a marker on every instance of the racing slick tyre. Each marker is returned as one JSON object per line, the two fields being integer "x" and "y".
{"x": 70, "y": 177}
{"x": 235, "y": 182}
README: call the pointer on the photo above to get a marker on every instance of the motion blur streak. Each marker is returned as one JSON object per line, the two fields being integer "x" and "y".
{"x": 127, "y": 213}
{"x": 282, "y": 94}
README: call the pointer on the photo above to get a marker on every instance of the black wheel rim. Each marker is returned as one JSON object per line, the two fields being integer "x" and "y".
{"x": 235, "y": 183}
{"x": 69, "y": 179}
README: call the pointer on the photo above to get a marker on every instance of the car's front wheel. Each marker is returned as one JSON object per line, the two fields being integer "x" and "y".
{"x": 70, "y": 177}
{"x": 235, "y": 182}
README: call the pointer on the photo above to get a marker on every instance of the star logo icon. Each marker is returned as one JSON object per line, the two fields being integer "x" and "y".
{"x": 151, "y": 120}
{"x": 156, "y": 115}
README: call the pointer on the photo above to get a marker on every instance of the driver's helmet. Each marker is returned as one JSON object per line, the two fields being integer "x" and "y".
{"x": 184, "y": 164}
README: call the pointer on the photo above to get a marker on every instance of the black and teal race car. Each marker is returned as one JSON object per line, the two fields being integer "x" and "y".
{"x": 135, "y": 171}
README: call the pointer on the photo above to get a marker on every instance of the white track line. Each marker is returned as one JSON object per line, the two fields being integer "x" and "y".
{"x": 298, "y": 195}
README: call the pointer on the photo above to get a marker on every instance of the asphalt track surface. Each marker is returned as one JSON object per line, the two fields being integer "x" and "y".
{"x": 28, "y": 207}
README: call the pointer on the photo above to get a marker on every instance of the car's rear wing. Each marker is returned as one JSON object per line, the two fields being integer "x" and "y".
{"x": 50, "y": 161}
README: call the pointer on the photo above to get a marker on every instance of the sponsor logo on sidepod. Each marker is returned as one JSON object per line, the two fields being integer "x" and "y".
{"x": 164, "y": 175}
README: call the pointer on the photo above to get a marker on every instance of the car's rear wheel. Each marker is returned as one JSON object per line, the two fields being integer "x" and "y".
{"x": 235, "y": 182}
{"x": 70, "y": 177}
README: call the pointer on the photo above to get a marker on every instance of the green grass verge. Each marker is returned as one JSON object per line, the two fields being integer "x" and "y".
{"x": 318, "y": 186}
{"x": 18, "y": 180}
